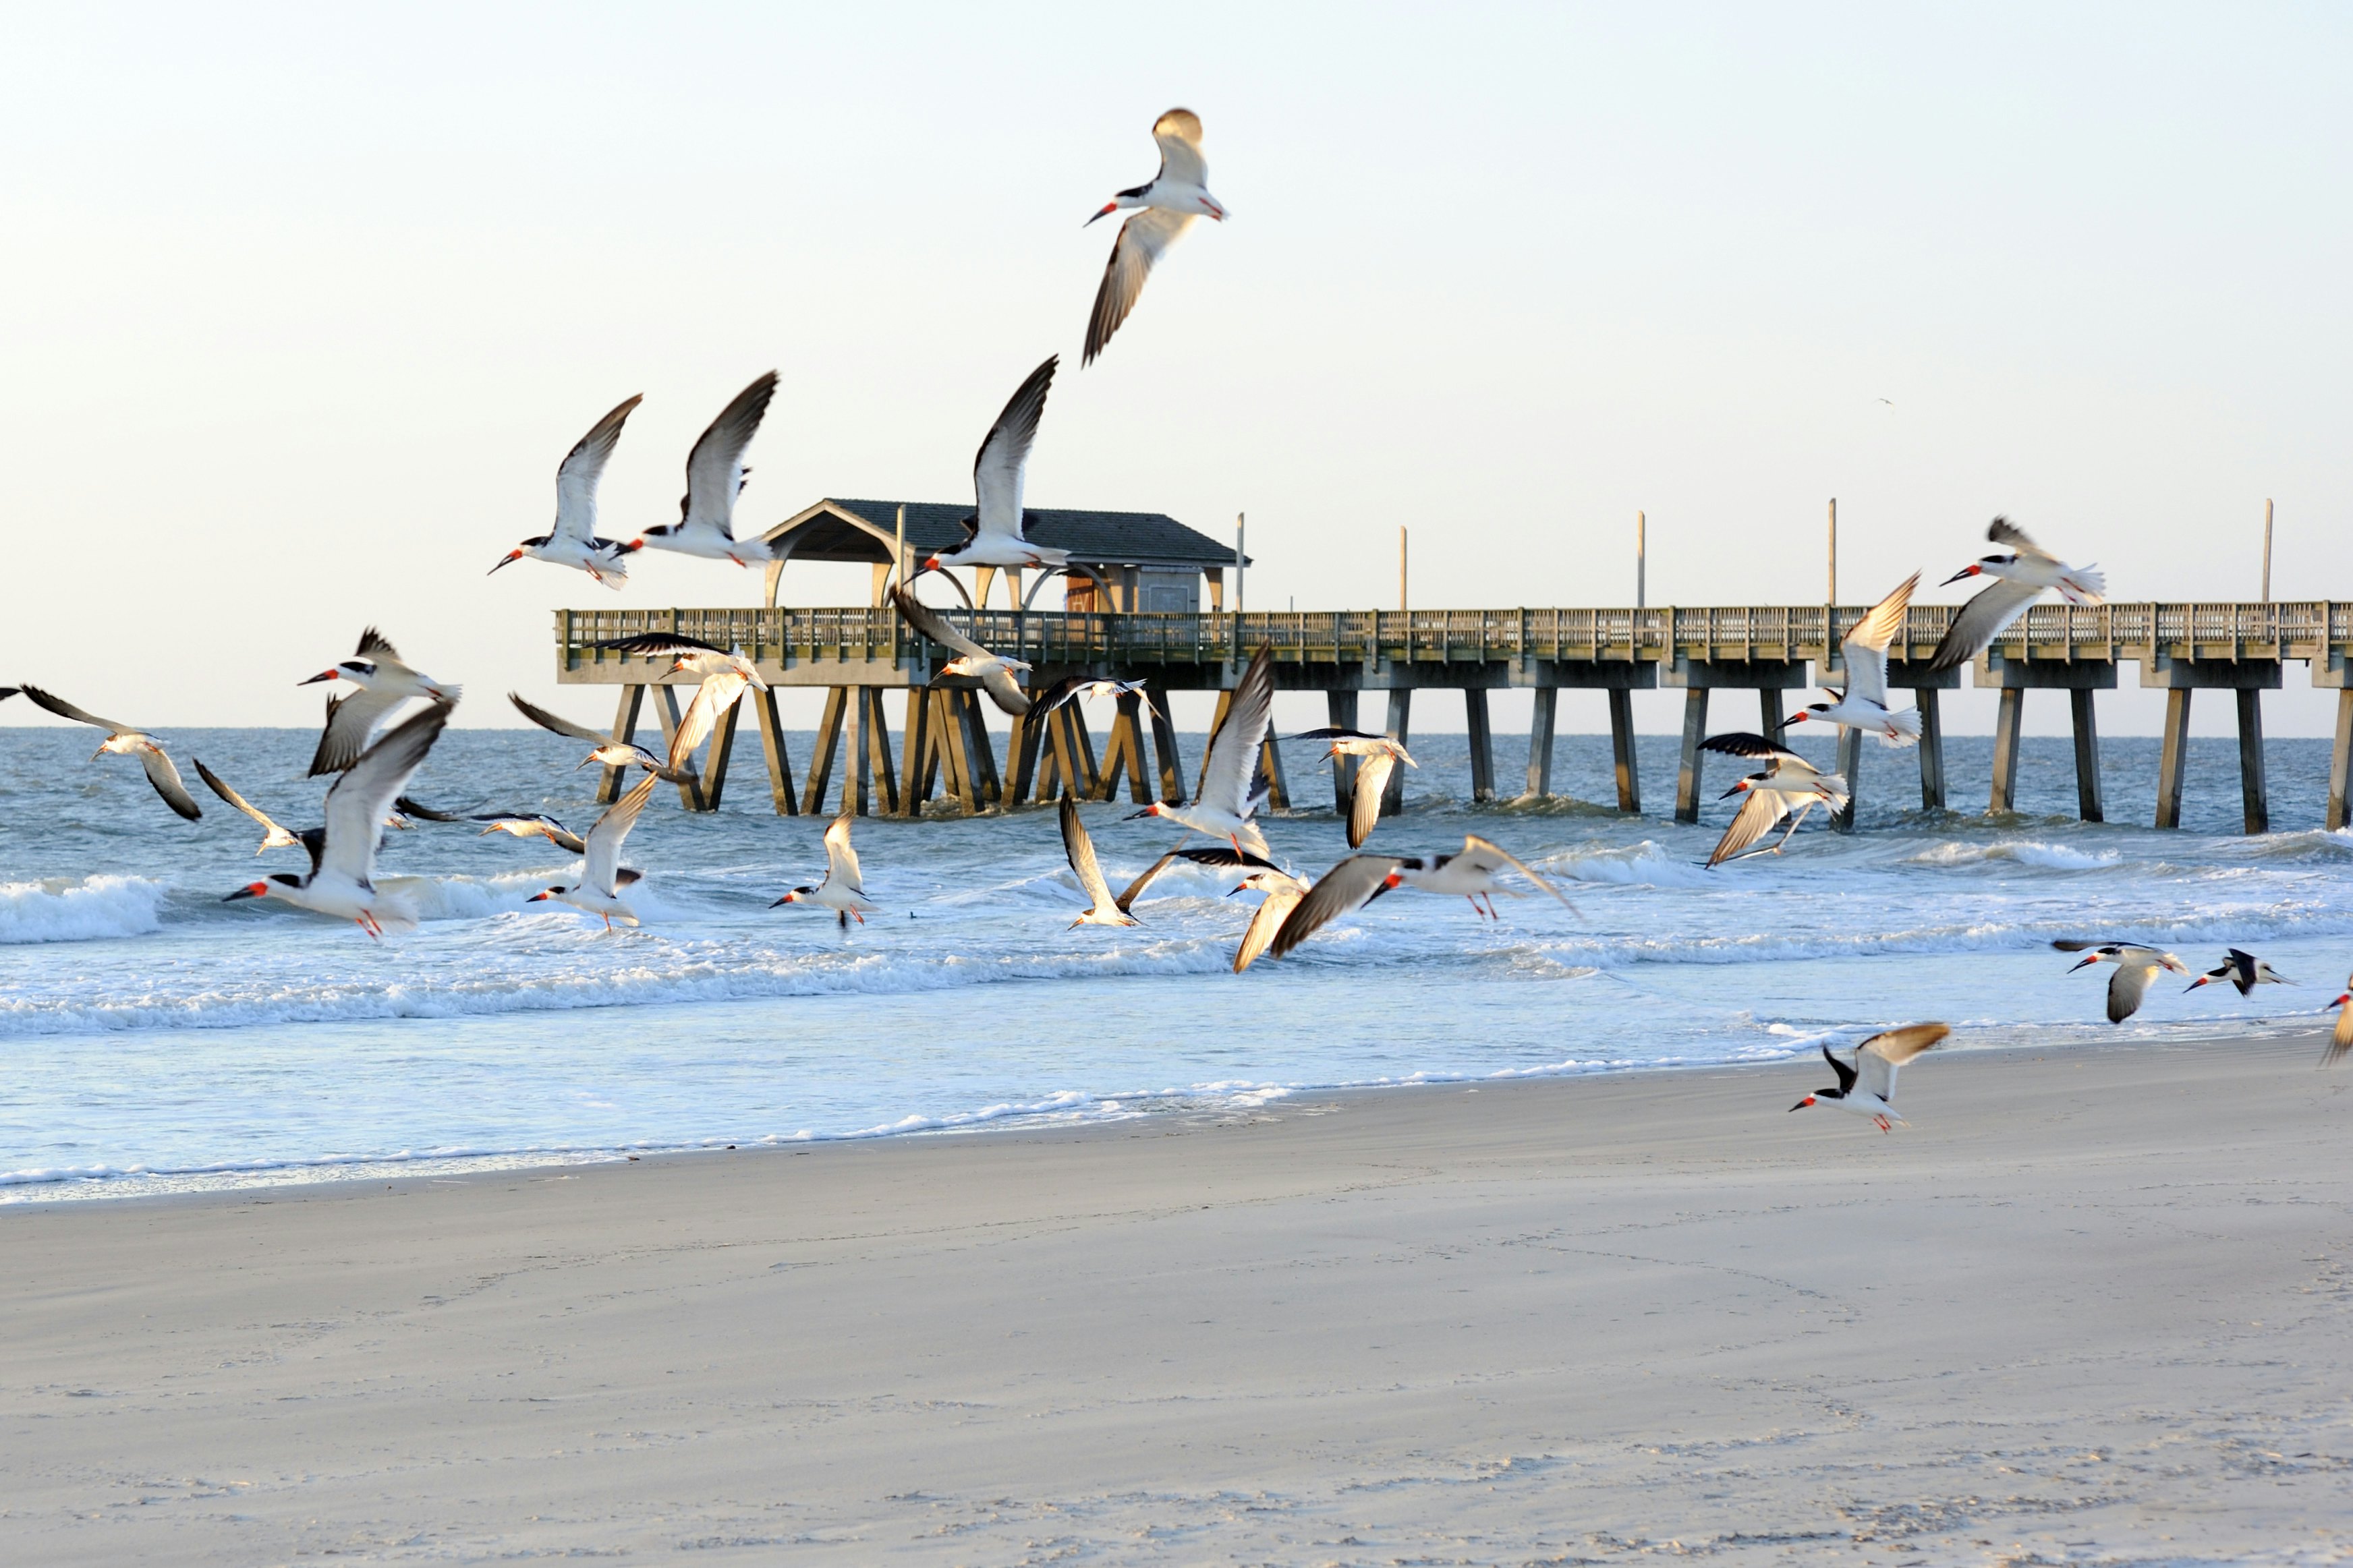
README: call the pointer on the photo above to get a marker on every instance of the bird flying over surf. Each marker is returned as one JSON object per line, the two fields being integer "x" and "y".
{"x": 573, "y": 541}
{"x": 844, "y": 889}
{"x": 994, "y": 671}
{"x": 127, "y": 741}
{"x": 383, "y": 683}
{"x": 1864, "y": 704}
{"x": 714, "y": 478}
{"x": 2020, "y": 574}
{"x": 2136, "y": 967}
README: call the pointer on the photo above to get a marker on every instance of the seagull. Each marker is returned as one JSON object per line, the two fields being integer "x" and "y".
{"x": 123, "y": 739}
{"x": 533, "y": 825}
{"x": 1358, "y": 880}
{"x": 1221, "y": 856}
{"x": 2136, "y": 967}
{"x": 385, "y": 683}
{"x": 1173, "y": 198}
{"x": 1378, "y": 757}
{"x": 612, "y": 753}
{"x": 2024, "y": 572}
{"x": 995, "y": 534}
{"x": 844, "y": 889}
{"x": 1227, "y": 799}
{"x": 994, "y": 671}
{"x": 693, "y": 656}
{"x": 273, "y": 836}
{"x": 573, "y": 541}
{"x": 2341, "y": 1040}
{"x": 1079, "y": 850}
{"x": 714, "y": 476}
{"x": 1067, "y": 689}
{"x": 1864, "y": 704}
{"x": 343, "y": 864}
{"x": 1876, "y": 1062}
{"x": 1789, "y": 784}
{"x": 2243, "y": 970}
{"x": 603, "y": 878}
{"x": 1282, "y": 892}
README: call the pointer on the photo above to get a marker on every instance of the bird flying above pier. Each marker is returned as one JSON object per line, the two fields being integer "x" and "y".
{"x": 1171, "y": 200}
{"x": 2020, "y": 573}
{"x": 574, "y": 541}
{"x": 714, "y": 477}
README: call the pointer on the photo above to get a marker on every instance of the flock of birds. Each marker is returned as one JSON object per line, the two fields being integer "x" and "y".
{"x": 372, "y": 759}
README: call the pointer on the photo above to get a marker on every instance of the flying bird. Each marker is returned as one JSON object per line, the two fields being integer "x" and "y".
{"x": 603, "y": 878}
{"x": 691, "y": 656}
{"x": 994, "y": 671}
{"x": 573, "y": 541}
{"x": 712, "y": 701}
{"x": 533, "y": 825}
{"x": 2136, "y": 967}
{"x": 341, "y": 881}
{"x": 2243, "y": 970}
{"x": 1864, "y": 704}
{"x": 714, "y": 477}
{"x": 996, "y": 535}
{"x": 1173, "y": 198}
{"x": 1079, "y": 850}
{"x": 273, "y": 836}
{"x": 2020, "y": 576}
{"x": 612, "y": 753}
{"x": 1221, "y": 856}
{"x": 1789, "y": 787}
{"x": 2341, "y": 1039}
{"x": 1282, "y": 893}
{"x": 125, "y": 741}
{"x": 844, "y": 889}
{"x": 1229, "y": 795}
{"x": 1071, "y": 687}
{"x": 1377, "y": 757}
{"x": 1876, "y": 1062}
{"x": 1473, "y": 872}
{"x": 385, "y": 683}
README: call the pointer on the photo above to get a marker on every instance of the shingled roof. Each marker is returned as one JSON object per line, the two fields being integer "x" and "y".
{"x": 834, "y": 529}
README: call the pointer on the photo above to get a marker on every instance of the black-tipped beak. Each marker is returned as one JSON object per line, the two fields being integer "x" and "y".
{"x": 780, "y": 903}
{"x": 1107, "y": 209}
{"x": 1963, "y": 572}
{"x": 2082, "y": 962}
{"x": 1803, "y": 1103}
{"x": 1736, "y": 789}
{"x": 322, "y": 675}
{"x": 1135, "y": 816}
{"x": 2193, "y": 986}
{"x": 507, "y": 560}
{"x": 240, "y": 893}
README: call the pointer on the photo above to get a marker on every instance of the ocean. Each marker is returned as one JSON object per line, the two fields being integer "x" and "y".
{"x": 154, "y": 1038}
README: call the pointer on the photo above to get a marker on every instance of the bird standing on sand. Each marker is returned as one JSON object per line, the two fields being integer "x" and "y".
{"x": 2341, "y": 1040}
{"x": 2136, "y": 967}
{"x": 603, "y": 878}
{"x": 1864, "y": 704}
{"x": 994, "y": 671}
{"x": 1228, "y": 796}
{"x": 844, "y": 889}
{"x": 573, "y": 541}
{"x": 1790, "y": 786}
{"x": 997, "y": 533}
{"x": 1377, "y": 758}
{"x": 1867, "y": 1087}
{"x": 2243, "y": 970}
{"x": 126, "y": 741}
{"x": 1473, "y": 873}
{"x": 1101, "y": 908}
{"x": 1177, "y": 194}
{"x": 2023, "y": 574}
{"x": 385, "y": 683}
{"x": 714, "y": 477}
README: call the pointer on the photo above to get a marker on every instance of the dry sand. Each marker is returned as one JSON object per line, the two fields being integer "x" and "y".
{"x": 2093, "y": 1306}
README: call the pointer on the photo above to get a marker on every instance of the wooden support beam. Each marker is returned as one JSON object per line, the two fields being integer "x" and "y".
{"x": 2255, "y": 802}
{"x": 1164, "y": 743}
{"x": 1270, "y": 768}
{"x": 1340, "y": 713}
{"x": 2008, "y": 714}
{"x": 916, "y": 769}
{"x": 2173, "y": 757}
{"x": 1087, "y": 784}
{"x": 1483, "y": 749}
{"x": 1023, "y": 751}
{"x": 1769, "y": 711}
{"x": 828, "y": 739}
{"x": 690, "y": 783}
{"x": 2340, "y": 760}
{"x": 625, "y": 730}
{"x": 1932, "y": 749}
{"x": 722, "y": 751}
{"x": 878, "y": 753}
{"x": 774, "y": 752}
{"x": 979, "y": 751}
{"x": 1850, "y": 767}
{"x": 948, "y": 742}
{"x": 854, "y": 770}
{"x": 1621, "y": 750}
{"x": 1126, "y": 753}
{"x": 1687, "y": 776}
{"x": 2088, "y": 803}
{"x": 1540, "y": 725}
{"x": 1400, "y": 715}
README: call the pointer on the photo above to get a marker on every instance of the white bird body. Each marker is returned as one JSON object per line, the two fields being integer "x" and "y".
{"x": 385, "y": 683}
{"x": 603, "y": 749}
{"x": 1101, "y": 908}
{"x": 1864, "y": 704}
{"x": 998, "y": 535}
{"x": 573, "y": 541}
{"x": 2021, "y": 575}
{"x": 1228, "y": 796}
{"x": 1173, "y": 198}
{"x": 2136, "y": 967}
{"x": 1867, "y": 1087}
{"x": 1473, "y": 872}
{"x": 126, "y": 741}
{"x": 714, "y": 477}
{"x": 1789, "y": 787}
{"x": 1377, "y": 757}
{"x": 2243, "y": 970}
{"x": 1283, "y": 893}
{"x": 844, "y": 889}
{"x": 603, "y": 881}
{"x": 533, "y": 825}
{"x": 994, "y": 671}
{"x": 1095, "y": 690}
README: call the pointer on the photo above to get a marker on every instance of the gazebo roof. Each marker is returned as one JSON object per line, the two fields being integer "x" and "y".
{"x": 835, "y": 529}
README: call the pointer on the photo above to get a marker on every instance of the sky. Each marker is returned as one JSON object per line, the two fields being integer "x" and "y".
{"x": 303, "y": 305}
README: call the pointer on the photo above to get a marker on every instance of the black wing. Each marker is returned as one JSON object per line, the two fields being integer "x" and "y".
{"x": 1845, "y": 1073}
{"x": 651, "y": 643}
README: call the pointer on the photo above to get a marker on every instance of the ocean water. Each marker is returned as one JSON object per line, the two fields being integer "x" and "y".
{"x": 154, "y": 1038}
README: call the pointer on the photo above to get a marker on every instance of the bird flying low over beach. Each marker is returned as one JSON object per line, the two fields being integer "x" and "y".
{"x": 125, "y": 740}
{"x": 2341, "y": 1041}
{"x": 1864, "y": 704}
{"x": 1474, "y": 872}
{"x": 714, "y": 477}
{"x": 1173, "y": 199}
{"x": 1280, "y": 894}
{"x": 1377, "y": 757}
{"x": 1867, "y": 1087}
{"x": 385, "y": 683}
{"x": 1789, "y": 787}
{"x": 2243, "y": 970}
{"x": 844, "y": 889}
{"x": 2022, "y": 574}
{"x": 603, "y": 878}
{"x": 994, "y": 671}
{"x": 997, "y": 532}
{"x": 1079, "y": 850}
{"x": 1228, "y": 796}
{"x": 2136, "y": 967}
{"x": 573, "y": 541}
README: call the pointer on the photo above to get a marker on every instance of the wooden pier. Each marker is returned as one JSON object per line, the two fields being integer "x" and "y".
{"x": 862, "y": 655}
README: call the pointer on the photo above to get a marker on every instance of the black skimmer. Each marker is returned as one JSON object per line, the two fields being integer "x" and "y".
{"x": 1876, "y": 1062}
{"x": 1101, "y": 908}
{"x": 1221, "y": 856}
{"x": 1475, "y": 871}
{"x": 712, "y": 701}
{"x": 1377, "y": 758}
{"x": 2136, "y": 967}
{"x": 1229, "y": 795}
{"x": 2341, "y": 1041}
{"x": 273, "y": 836}
{"x": 341, "y": 881}
{"x": 1864, "y": 704}
{"x": 573, "y": 541}
{"x": 2022, "y": 576}
{"x": 994, "y": 671}
{"x": 606, "y": 751}
{"x": 1177, "y": 194}
{"x": 125, "y": 740}
{"x": 691, "y": 655}
{"x": 996, "y": 535}
{"x": 844, "y": 889}
{"x": 385, "y": 683}
{"x": 714, "y": 477}
{"x": 533, "y": 825}
{"x": 2243, "y": 970}
{"x": 603, "y": 878}
{"x": 1789, "y": 787}
{"x": 1282, "y": 893}
{"x": 1071, "y": 687}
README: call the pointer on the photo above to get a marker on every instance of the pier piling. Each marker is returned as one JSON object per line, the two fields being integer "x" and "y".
{"x": 1540, "y": 722}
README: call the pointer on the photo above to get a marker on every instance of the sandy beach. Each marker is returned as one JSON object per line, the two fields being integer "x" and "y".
{"x": 2091, "y": 1305}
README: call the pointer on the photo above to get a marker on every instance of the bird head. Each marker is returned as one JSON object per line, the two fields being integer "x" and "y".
{"x": 1803, "y": 1103}
{"x": 1978, "y": 568}
{"x": 1103, "y": 211}
{"x": 2197, "y": 983}
{"x": 2086, "y": 961}
{"x": 1210, "y": 206}
{"x": 261, "y": 888}
{"x": 794, "y": 896}
{"x": 509, "y": 559}
{"x": 931, "y": 563}
{"x": 2344, "y": 1001}
{"x": 1154, "y": 809}
{"x": 556, "y": 891}
{"x": 1741, "y": 787}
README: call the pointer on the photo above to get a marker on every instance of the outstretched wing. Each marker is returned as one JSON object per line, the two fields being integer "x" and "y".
{"x": 712, "y": 700}
{"x": 350, "y": 720}
{"x": 271, "y": 831}
{"x": 1365, "y": 802}
{"x": 603, "y": 850}
{"x": 357, "y": 802}
{"x": 64, "y": 709}
{"x": 1865, "y": 648}
{"x": 997, "y": 467}
{"x": 1178, "y": 132}
{"x": 1757, "y": 815}
{"x": 1230, "y": 765}
{"x": 1004, "y": 690}
{"x": 1345, "y": 888}
{"x": 1143, "y": 239}
{"x": 1878, "y": 1058}
{"x": 167, "y": 782}
{"x": 1980, "y": 621}
{"x": 577, "y": 477}
{"x": 556, "y": 722}
{"x": 1491, "y": 857}
{"x": 646, "y": 645}
{"x": 1079, "y": 850}
{"x": 1272, "y": 911}
{"x": 1742, "y": 743}
{"x": 840, "y": 859}
{"x": 2126, "y": 986}
{"x": 714, "y": 469}
{"x": 1221, "y": 855}
{"x": 2001, "y": 531}
{"x": 926, "y": 622}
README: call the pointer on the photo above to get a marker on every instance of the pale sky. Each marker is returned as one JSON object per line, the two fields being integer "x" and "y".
{"x": 302, "y": 307}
